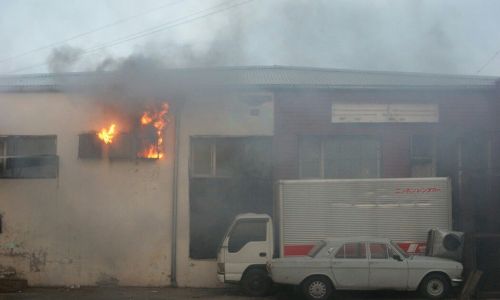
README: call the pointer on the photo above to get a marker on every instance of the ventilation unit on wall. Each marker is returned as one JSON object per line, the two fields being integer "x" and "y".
{"x": 446, "y": 244}
{"x": 347, "y": 112}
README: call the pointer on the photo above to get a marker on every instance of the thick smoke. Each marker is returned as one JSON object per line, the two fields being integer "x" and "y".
{"x": 409, "y": 36}
{"x": 63, "y": 59}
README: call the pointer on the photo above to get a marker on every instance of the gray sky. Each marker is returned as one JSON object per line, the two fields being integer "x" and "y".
{"x": 452, "y": 36}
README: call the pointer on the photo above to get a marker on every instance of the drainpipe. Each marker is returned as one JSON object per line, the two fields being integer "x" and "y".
{"x": 175, "y": 181}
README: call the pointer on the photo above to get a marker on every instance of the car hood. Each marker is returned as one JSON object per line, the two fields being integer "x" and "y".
{"x": 435, "y": 260}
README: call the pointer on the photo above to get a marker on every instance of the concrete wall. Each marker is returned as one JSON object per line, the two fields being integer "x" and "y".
{"x": 211, "y": 116}
{"x": 100, "y": 221}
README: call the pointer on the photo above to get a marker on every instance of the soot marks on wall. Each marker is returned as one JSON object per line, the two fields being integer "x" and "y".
{"x": 37, "y": 259}
{"x": 106, "y": 280}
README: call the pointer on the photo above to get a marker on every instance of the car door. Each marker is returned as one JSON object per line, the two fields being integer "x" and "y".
{"x": 386, "y": 272}
{"x": 350, "y": 266}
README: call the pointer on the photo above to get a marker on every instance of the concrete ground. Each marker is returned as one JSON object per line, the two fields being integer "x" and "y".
{"x": 131, "y": 293}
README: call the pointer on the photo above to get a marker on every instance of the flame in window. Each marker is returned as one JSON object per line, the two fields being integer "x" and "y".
{"x": 158, "y": 119}
{"x": 107, "y": 135}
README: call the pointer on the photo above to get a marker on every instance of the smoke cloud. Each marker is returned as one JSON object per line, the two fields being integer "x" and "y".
{"x": 415, "y": 36}
{"x": 63, "y": 59}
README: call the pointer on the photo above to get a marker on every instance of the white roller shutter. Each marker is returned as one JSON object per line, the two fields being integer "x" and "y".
{"x": 400, "y": 209}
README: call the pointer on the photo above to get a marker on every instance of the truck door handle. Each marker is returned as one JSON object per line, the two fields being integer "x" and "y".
{"x": 262, "y": 254}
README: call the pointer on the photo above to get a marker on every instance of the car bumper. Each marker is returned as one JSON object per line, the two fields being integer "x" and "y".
{"x": 456, "y": 281}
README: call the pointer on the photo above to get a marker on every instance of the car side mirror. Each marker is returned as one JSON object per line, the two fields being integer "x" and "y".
{"x": 397, "y": 257}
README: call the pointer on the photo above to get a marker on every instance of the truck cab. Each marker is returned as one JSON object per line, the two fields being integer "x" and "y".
{"x": 244, "y": 252}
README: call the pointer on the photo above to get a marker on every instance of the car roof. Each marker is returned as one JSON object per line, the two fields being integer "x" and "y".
{"x": 341, "y": 240}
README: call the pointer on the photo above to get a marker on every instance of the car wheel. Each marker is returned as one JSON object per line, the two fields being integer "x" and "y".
{"x": 256, "y": 282}
{"x": 317, "y": 288}
{"x": 435, "y": 286}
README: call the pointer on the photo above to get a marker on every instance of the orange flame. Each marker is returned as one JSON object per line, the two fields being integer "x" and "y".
{"x": 107, "y": 135}
{"x": 158, "y": 119}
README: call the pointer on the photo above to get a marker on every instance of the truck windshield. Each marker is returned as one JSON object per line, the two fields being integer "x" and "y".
{"x": 317, "y": 247}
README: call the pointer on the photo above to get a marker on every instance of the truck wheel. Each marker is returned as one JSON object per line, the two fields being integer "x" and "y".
{"x": 435, "y": 286}
{"x": 317, "y": 288}
{"x": 256, "y": 282}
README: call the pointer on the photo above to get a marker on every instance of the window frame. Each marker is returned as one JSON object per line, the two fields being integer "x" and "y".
{"x": 323, "y": 140}
{"x": 342, "y": 248}
{"x": 416, "y": 160}
{"x": 3, "y": 154}
{"x": 379, "y": 243}
{"x": 213, "y": 156}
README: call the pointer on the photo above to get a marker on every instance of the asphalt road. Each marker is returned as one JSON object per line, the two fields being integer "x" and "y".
{"x": 123, "y": 293}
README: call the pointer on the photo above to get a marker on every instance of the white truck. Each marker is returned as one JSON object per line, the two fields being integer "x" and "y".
{"x": 401, "y": 209}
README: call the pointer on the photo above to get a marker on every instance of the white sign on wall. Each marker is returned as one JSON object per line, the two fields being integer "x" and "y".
{"x": 343, "y": 112}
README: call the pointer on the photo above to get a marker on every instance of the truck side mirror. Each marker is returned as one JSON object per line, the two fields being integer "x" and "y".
{"x": 397, "y": 257}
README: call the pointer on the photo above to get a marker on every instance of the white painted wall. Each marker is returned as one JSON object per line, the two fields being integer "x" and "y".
{"x": 211, "y": 116}
{"x": 99, "y": 219}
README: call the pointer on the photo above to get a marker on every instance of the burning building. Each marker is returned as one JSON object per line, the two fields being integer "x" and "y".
{"x": 95, "y": 191}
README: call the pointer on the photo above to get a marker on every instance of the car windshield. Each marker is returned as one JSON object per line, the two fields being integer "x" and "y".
{"x": 317, "y": 247}
{"x": 395, "y": 245}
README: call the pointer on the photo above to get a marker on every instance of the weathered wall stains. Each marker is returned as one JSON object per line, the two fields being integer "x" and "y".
{"x": 98, "y": 216}
{"x": 106, "y": 280}
{"x": 37, "y": 260}
{"x": 7, "y": 272}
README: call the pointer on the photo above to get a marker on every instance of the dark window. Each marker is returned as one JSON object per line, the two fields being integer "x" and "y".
{"x": 339, "y": 157}
{"x": 124, "y": 146}
{"x": 310, "y": 158}
{"x": 201, "y": 157}
{"x": 351, "y": 250}
{"x": 238, "y": 180}
{"x": 245, "y": 232}
{"x": 423, "y": 154}
{"x": 378, "y": 251}
{"x": 28, "y": 157}
{"x": 3, "y": 153}
{"x": 89, "y": 146}
{"x": 226, "y": 157}
{"x": 218, "y": 157}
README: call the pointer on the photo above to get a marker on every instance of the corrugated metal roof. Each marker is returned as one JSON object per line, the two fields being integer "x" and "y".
{"x": 267, "y": 76}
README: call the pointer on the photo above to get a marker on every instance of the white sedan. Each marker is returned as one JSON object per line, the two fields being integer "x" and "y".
{"x": 365, "y": 264}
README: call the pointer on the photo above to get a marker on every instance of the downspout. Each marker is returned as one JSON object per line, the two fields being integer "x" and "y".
{"x": 175, "y": 193}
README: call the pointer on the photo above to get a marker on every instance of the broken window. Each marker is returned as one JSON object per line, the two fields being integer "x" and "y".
{"x": 89, "y": 146}
{"x": 423, "y": 156}
{"x": 339, "y": 157}
{"x": 124, "y": 146}
{"x": 28, "y": 157}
